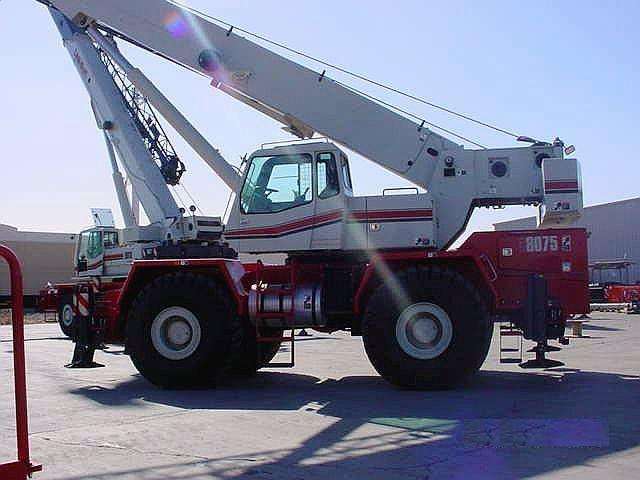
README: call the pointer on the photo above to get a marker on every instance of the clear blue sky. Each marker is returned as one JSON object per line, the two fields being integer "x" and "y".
{"x": 543, "y": 68}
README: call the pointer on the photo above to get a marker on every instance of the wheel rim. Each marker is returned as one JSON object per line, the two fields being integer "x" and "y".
{"x": 424, "y": 331}
{"x": 67, "y": 315}
{"x": 176, "y": 333}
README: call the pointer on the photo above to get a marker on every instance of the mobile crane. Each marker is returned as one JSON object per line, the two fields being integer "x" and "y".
{"x": 380, "y": 267}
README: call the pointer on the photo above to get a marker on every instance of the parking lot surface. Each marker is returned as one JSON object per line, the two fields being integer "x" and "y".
{"x": 333, "y": 417}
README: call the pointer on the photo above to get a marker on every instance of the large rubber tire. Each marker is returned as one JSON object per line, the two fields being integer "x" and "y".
{"x": 66, "y": 318}
{"x": 470, "y": 335}
{"x": 255, "y": 356}
{"x": 219, "y": 331}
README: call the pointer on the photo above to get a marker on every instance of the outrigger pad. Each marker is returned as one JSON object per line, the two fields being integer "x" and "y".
{"x": 83, "y": 358}
{"x": 84, "y": 365}
{"x": 542, "y": 363}
{"x": 548, "y": 348}
{"x": 86, "y": 340}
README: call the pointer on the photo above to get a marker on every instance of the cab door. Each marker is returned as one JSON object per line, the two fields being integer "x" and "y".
{"x": 329, "y": 204}
{"x": 275, "y": 211}
{"x": 90, "y": 254}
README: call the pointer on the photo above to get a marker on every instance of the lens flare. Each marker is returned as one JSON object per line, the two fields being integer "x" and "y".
{"x": 400, "y": 296}
{"x": 176, "y": 24}
{"x": 180, "y": 23}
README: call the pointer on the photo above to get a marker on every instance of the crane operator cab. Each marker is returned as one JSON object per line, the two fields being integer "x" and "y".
{"x": 99, "y": 253}
{"x": 301, "y": 198}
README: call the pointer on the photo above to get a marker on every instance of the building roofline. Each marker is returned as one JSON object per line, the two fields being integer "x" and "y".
{"x": 9, "y": 233}
{"x": 598, "y": 205}
{"x": 616, "y": 202}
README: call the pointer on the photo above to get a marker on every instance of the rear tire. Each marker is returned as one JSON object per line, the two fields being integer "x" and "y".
{"x": 183, "y": 331}
{"x": 435, "y": 336}
{"x": 66, "y": 316}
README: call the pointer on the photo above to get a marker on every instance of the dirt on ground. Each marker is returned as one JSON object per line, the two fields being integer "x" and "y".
{"x": 30, "y": 318}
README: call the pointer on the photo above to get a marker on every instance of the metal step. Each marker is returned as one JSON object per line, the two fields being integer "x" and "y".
{"x": 290, "y": 339}
{"x": 287, "y": 289}
{"x": 510, "y": 331}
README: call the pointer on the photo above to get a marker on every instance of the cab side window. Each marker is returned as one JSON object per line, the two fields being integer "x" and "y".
{"x": 327, "y": 176}
{"x": 110, "y": 240}
{"x": 346, "y": 172}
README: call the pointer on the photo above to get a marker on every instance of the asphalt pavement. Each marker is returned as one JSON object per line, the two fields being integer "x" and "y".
{"x": 333, "y": 417}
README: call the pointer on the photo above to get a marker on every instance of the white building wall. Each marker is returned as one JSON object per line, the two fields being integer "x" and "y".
{"x": 45, "y": 257}
{"x": 614, "y": 232}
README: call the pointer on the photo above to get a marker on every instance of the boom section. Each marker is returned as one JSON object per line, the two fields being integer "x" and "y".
{"x": 114, "y": 118}
{"x": 305, "y": 101}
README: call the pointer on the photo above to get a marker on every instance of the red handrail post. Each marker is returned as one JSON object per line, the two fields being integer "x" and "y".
{"x": 23, "y": 468}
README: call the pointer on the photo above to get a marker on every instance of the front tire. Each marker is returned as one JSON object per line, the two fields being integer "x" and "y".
{"x": 66, "y": 316}
{"x": 428, "y": 330}
{"x": 183, "y": 331}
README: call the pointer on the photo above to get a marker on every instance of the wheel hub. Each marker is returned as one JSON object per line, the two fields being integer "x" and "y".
{"x": 67, "y": 315}
{"x": 179, "y": 332}
{"x": 176, "y": 333}
{"x": 424, "y": 331}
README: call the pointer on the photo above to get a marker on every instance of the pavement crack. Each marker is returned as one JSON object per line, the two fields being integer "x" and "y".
{"x": 110, "y": 446}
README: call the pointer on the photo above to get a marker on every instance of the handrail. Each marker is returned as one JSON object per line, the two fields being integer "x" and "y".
{"x": 23, "y": 468}
{"x": 400, "y": 189}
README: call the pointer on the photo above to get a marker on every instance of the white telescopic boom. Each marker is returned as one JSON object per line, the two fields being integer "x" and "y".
{"x": 178, "y": 121}
{"x": 303, "y": 100}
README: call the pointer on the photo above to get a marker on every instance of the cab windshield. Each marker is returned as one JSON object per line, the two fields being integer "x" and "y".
{"x": 278, "y": 183}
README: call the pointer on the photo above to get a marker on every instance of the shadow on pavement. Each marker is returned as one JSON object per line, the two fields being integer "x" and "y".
{"x": 28, "y": 340}
{"x": 502, "y": 425}
{"x": 600, "y": 328}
